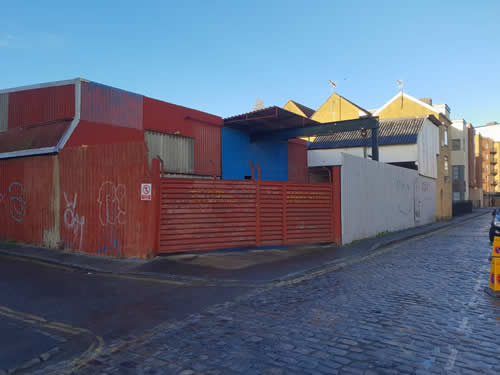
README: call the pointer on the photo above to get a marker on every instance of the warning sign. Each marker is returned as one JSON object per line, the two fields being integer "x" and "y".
{"x": 145, "y": 192}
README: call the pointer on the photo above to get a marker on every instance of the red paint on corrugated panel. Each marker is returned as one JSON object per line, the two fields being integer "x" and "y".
{"x": 101, "y": 208}
{"x": 297, "y": 161}
{"x": 174, "y": 119}
{"x": 32, "y": 137}
{"x": 89, "y": 133}
{"x": 31, "y": 107}
{"x": 206, "y": 214}
{"x": 214, "y": 214}
{"x": 107, "y": 105}
{"x": 337, "y": 203}
{"x": 203, "y": 127}
{"x": 207, "y": 149}
{"x": 27, "y": 199}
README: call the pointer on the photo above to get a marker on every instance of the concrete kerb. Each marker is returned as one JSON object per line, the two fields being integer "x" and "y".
{"x": 185, "y": 280}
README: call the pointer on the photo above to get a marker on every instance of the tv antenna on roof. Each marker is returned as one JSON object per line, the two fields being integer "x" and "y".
{"x": 400, "y": 85}
{"x": 333, "y": 84}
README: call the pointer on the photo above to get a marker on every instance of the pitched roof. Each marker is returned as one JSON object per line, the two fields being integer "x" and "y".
{"x": 418, "y": 101}
{"x": 397, "y": 131}
{"x": 367, "y": 112}
{"x": 305, "y": 110}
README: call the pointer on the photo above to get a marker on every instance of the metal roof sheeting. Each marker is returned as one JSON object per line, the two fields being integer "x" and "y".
{"x": 391, "y": 132}
{"x": 33, "y": 137}
{"x": 305, "y": 110}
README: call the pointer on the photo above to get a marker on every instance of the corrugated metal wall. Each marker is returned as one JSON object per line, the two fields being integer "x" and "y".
{"x": 428, "y": 148}
{"x": 87, "y": 198}
{"x": 4, "y": 112}
{"x": 31, "y": 107}
{"x": 203, "y": 127}
{"x": 207, "y": 149}
{"x": 101, "y": 207}
{"x": 215, "y": 214}
{"x": 378, "y": 197}
{"x": 28, "y": 204}
{"x": 91, "y": 133}
{"x": 297, "y": 161}
{"x": 108, "y": 105}
{"x": 237, "y": 151}
{"x": 166, "y": 118}
{"x": 176, "y": 152}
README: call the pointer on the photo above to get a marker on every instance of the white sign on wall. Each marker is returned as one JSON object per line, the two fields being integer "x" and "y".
{"x": 145, "y": 192}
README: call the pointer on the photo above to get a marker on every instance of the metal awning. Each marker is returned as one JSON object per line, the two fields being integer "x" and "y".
{"x": 278, "y": 124}
{"x": 267, "y": 119}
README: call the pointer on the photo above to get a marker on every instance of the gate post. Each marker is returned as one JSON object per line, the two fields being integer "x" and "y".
{"x": 156, "y": 180}
{"x": 284, "y": 203}
{"x": 336, "y": 205}
{"x": 257, "y": 206}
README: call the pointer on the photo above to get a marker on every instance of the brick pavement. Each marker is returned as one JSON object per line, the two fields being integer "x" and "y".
{"x": 416, "y": 308}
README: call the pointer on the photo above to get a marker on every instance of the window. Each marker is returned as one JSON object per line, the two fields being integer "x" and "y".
{"x": 446, "y": 136}
{"x": 446, "y": 165}
{"x": 455, "y": 173}
{"x": 456, "y": 195}
{"x": 486, "y": 146}
{"x": 486, "y": 156}
{"x": 455, "y": 144}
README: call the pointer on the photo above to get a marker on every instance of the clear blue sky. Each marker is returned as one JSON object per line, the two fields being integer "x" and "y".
{"x": 219, "y": 56}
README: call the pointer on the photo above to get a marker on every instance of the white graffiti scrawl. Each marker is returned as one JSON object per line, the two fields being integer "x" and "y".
{"x": 17, "y": 203}
{"x": 73, "y": 221}
{"x": 111, "y": 201}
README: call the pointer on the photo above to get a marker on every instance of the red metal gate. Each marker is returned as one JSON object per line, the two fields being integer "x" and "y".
{"x": 216, "y": 214}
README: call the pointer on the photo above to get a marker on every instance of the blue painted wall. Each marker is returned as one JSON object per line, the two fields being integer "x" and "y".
{"x": 237, "y": 150}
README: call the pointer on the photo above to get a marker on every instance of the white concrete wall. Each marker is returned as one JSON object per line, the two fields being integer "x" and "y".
{"x": 377, "y": 198}
{"x": 387, "y": 154}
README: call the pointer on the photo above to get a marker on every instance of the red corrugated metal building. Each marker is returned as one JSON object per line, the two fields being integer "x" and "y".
{"x": 74, "y": 155}
{"x": 86, "y": 156}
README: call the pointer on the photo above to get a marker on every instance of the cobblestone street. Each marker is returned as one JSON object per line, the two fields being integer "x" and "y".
{"x": 414, "y": 308}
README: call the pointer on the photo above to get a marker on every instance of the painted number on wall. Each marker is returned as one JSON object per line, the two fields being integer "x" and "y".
{"x": 145, "y": 192}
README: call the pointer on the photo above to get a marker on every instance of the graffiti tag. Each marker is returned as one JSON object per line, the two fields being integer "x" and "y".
{"x": 17, "y": 207}
{"x": 72, "y": 220}
{"x": 111, "y": 201}
{"x": 111, "y": 242}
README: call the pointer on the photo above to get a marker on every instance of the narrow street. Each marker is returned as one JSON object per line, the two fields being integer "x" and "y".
{"x": 416, "y": 307}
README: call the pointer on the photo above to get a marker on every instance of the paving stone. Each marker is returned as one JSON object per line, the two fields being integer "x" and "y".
{"x": 392, "y": 313}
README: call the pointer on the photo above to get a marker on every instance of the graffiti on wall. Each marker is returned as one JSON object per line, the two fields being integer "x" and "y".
{"x": 111, "y": 201}
{"x": 17, "y": 202}
{"x": 112, "y": 211}
{"x": 404, "y": 205}
{"x": 111, "y": 242}
{"x": 74, "y": 222}
{"x": 423, "y": 198}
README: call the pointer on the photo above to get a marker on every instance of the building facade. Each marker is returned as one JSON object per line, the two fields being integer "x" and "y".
{"x": 405, "y": 142}
{"x": 459, "y": 159}
{"x": 403, "y": 105}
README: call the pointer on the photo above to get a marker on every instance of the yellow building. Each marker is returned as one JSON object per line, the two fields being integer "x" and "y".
{"x": 403, "y": 105}
{"x": 335, "y": 108}
{"x": 298, "y": 109}
{"x": 338, "y": 108}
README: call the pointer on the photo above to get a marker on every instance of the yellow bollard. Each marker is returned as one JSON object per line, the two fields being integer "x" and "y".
{"x": 494, "y": 287}
{"x": 496, "y": 248}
